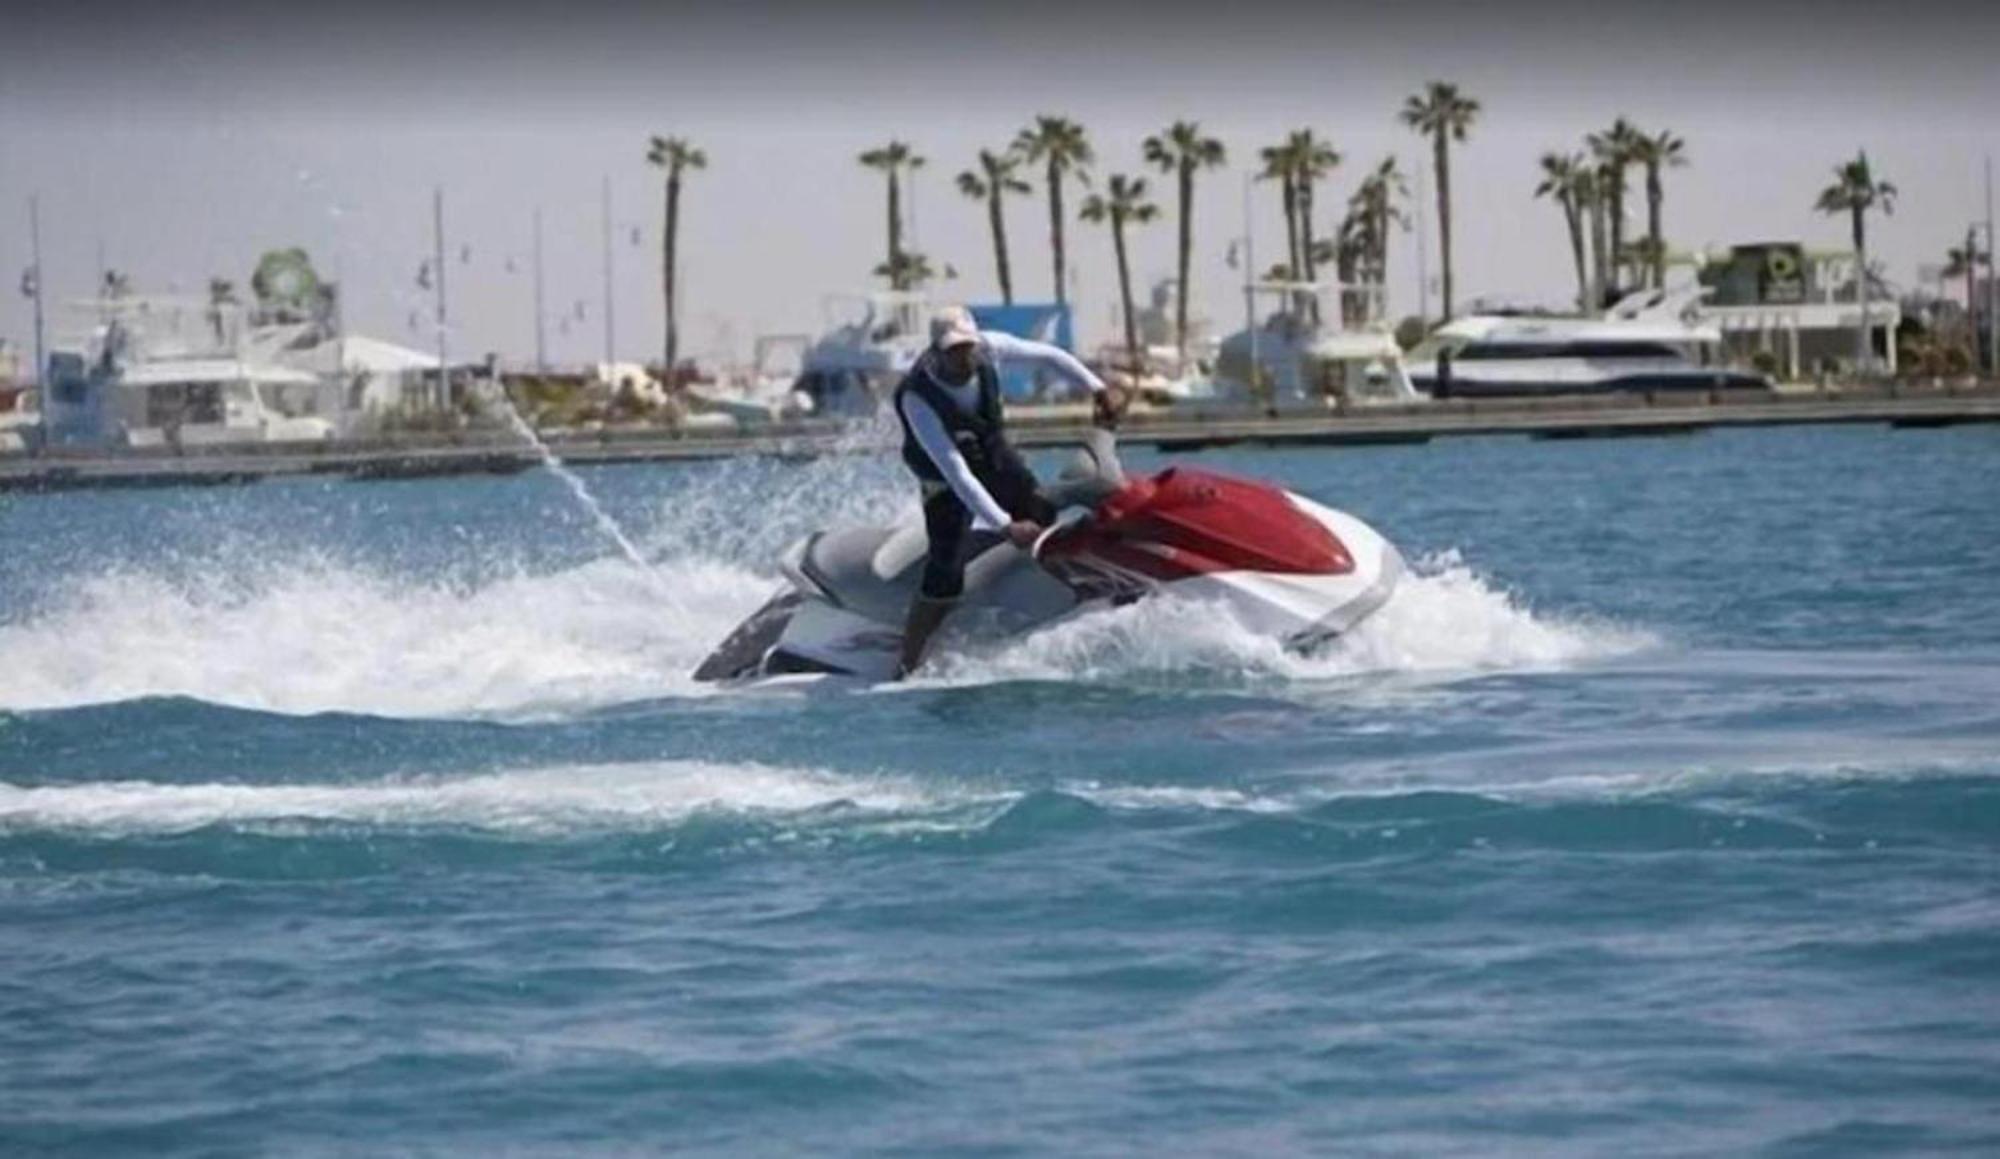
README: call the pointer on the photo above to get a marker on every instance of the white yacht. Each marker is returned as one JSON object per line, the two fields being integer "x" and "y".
{"x": 763, "y": 393}
{"x": 140, "y": 380}
{"x": 1644, "y": 343}
{"x": 870, "y": 343}
{"x": 1324, "y": 345}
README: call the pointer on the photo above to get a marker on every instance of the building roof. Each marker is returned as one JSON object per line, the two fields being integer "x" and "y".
{"x": 171, "y": 370}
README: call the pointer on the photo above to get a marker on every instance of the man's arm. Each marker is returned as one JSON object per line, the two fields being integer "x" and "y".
{"x": 1001, "y": 347}
{"x": 987, "y": 514}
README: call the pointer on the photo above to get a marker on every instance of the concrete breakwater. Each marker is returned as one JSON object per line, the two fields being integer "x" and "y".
{"x": 1184, "y": 428}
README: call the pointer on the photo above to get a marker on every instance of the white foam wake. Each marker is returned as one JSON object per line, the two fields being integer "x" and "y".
{"x": 329, "y": 637}
{"x": 1443, "y": 618}
{"x": 257, "y": 625}
{"x": 540, "y": 803}
{"x": 326, "y": 637}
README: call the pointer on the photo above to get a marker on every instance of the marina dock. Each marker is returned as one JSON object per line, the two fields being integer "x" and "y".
{"x": 1181, "y": 429}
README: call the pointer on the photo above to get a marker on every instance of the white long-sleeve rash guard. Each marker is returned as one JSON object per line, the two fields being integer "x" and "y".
{"x": 928, "y": 426}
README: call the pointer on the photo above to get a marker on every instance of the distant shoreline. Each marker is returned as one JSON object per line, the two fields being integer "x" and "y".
{"x": 1188, "y": 428}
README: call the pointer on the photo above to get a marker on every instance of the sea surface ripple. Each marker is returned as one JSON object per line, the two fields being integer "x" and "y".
{"x": 1658, "y": 814}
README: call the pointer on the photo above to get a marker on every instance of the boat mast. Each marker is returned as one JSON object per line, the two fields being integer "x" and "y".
{"x": 610, "y": 329}
{"x": 541, "y": 325}
{"x": 1249, "y": 281}
{"x": 1992, "y": 301}
{"x": 437, "y": 237}
{"x": 1423, "y": 260}
{"x": 35, "y": 251}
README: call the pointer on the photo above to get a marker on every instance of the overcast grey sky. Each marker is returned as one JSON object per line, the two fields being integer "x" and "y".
{"x": 186, "y": 142}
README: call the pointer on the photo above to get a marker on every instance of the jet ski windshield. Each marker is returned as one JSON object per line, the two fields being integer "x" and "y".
{"x": 1093, "y": 476}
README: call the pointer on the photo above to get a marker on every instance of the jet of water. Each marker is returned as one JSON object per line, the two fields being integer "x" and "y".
{"x": 577, "y": 488}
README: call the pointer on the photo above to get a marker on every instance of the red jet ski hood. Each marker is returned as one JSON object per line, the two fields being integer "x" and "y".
{"x": 1186, "y": 521}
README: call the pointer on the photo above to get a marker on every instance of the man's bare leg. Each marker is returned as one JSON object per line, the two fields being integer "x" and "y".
{"x": 925, "y": 616}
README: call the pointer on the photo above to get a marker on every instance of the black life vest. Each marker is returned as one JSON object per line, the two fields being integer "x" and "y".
{"x": 979, "y": 436}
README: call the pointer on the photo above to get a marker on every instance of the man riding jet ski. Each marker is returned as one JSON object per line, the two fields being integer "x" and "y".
{"x": 955, "y": 442}
{"x": 1281, "y": 564}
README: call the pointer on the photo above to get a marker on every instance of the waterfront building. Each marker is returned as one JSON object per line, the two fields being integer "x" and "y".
{"x": 1793, "y": 309}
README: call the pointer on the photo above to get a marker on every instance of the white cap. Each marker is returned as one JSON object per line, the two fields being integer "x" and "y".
{"x": 953, "y": 326}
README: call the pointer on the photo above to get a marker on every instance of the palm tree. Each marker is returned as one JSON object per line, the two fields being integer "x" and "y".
{"x": 1315, "y": 159}
{"x": 1281, "y": 165}
{"x": 1964, "y": 261}
{"x": 676, "y": 156}
{"x": 1124, "y": 200}
{"x": 221, "y": 294}
{"x": 1181, "y": 150}
{"x": 994, "y": 180}
{"x": 1590, "y": 203}
{"x": 1371, "y": 211}
{"x": 1854, "y": 192}
{"x": 1060, "y": 146}
{"x": 1657, "y": 151}
{"x": 909, "y": 270}
{"x": 1559, "y": 182}
{"x": 1444, "y": 114}
{"x": 893, "y": 160}
{"x": 1353, "y": 251}
{"x": 1616, "y": 150}
{"x": 1646, "y": 253}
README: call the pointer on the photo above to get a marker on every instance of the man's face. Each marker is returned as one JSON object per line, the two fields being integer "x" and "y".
{"x": 956, "y": 361}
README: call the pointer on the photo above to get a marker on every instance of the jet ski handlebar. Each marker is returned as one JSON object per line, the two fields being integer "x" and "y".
{"x": 1093, "y": 476}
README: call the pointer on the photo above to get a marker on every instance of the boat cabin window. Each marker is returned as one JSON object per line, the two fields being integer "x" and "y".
{"x": 180, "y": 403}
{"x": 1494, "y": 351}
{"x": 289, "y": 399}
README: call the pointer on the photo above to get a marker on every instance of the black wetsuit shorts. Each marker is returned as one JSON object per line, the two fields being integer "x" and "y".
{"x": 948, "y": 524}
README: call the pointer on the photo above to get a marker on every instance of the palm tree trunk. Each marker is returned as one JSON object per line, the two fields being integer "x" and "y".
{"x": 1572, "y": 217}
{"x": 1306, "y": 270}
{"x": 1125, "y": 292}
{"x": 1344, "y": 267}
{"x": 895, "y": 232}
{"x": 1864, "y": 342}
{"x": 998, "y": 221}
{"x": 1616, "y": 259}
{"x": 1187, "y": 246}
{"x": 1654, "y": 196}
{"x": 668, "y": 244}
{"x": 1056, "y": 229}
{"x": 1380, "y": 273}
{"x": 1444, "y": 215}
{"x": 1600, "y": 256}
{"x": 1291, "y": 189}
{"x": 1306, "y": 229}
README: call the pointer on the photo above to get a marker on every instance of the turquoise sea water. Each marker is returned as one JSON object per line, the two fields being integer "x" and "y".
{"x": 1660, "y": 814}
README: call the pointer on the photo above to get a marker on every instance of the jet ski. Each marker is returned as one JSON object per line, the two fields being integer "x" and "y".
{"x": 1280, "y": 563}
